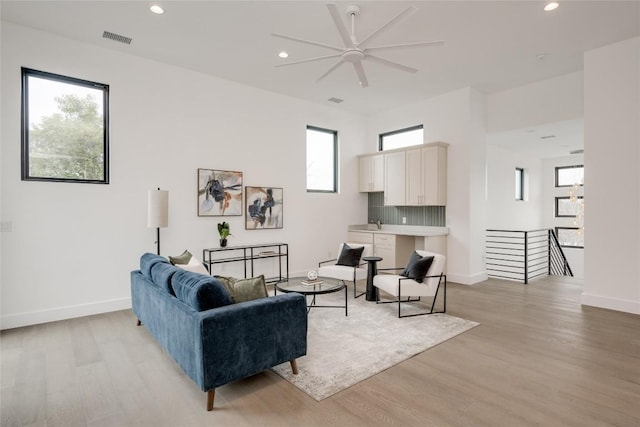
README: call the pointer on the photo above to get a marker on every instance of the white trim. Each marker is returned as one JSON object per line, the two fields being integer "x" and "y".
{"x": 627, "y": 306}
{"x": 467, "y": 280}
{"x": 62, "y": 313}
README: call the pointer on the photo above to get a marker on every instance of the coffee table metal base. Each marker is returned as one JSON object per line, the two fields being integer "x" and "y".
{"x": 294, "y": 285}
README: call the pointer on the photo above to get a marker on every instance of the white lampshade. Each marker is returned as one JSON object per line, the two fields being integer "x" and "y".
{"x": 158, "y": 209}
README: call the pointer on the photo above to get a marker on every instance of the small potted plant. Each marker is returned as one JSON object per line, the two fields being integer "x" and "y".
{"x": 224, "y": 231}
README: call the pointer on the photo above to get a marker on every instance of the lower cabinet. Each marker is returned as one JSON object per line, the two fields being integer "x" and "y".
{"x": 394, "y": 250}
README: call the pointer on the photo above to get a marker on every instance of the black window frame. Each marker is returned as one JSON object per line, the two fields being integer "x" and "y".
{"x": 395, "y": 132}
{"x": 558, "y": 168}
{"x": 520, "y": 184}
{"x": 558, "y": 198}
{"x": 335, "y": 160}
{"x": 24, "y": 124}
{"x": 558, "y": 236}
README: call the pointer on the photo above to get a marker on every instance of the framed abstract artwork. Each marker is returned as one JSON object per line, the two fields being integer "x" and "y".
{"x": 219, "y": 193}
{"x": 263, "y": 208}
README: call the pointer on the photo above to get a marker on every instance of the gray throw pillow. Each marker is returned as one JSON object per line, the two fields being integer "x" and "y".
{"x": 350, "y": 256}
{"x": 242, "y": 290}
{"x": 183, "y": 258}
{"x": 417, "y": 267}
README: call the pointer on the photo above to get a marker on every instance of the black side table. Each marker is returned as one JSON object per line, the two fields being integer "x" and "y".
{"x": 372, "y": 291}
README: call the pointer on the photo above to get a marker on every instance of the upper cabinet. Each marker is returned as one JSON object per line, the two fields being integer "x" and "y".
{"x": 414, "y": 176}
{"x": 372, "y": 172}
{"x": 394, "y": 178}
{"x": 426, "y": 182}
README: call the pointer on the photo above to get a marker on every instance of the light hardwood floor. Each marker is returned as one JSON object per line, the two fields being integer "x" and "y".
{"x": 538, "y": 358}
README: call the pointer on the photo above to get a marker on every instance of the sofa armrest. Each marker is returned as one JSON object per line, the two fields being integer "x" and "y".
{"x": 243, "y": 339}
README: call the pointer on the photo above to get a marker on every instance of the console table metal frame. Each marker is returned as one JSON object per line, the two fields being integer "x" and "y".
{"x": 249, "y": 254}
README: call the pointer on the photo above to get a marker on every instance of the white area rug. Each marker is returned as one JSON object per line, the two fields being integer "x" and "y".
{"x": 342, "y": 351}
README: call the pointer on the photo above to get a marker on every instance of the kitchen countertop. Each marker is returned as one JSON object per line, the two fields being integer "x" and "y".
{"x": 401, "y": 230}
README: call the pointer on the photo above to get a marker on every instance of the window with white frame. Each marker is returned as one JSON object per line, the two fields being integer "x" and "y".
{"x": 322, "y": 160}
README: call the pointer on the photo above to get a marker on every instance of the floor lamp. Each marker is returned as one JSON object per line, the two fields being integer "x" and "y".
{"x": 158, "y": 212}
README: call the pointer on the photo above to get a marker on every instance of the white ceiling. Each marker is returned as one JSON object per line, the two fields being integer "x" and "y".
{"x": 489, "y": 45}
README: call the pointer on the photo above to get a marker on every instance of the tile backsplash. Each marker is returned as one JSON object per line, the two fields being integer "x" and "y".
{"x": 416, "y": 215}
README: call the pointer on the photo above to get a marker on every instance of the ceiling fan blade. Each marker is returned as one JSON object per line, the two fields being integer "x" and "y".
{"x": 360, "y": 72}
{"x": 302, "y": 61}
{"x": 295, "y": 39}
{"x": 333, "y": 67}
{"x": 337, "y": 20}
{"x": 410, "y": 9}
{"x": 391, "y": 64}
{"x": 431, "y": 43}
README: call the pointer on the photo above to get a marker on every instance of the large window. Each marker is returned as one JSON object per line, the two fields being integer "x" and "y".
{"x": 322, "y": 160}
{"x": 65, "y": 128}
{"x": 402, "y": 138}
{"x": 567, "y": 176}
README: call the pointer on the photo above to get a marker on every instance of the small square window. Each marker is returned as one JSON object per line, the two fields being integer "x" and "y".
{"x": 570, "y": 237}
{"x": 567, "y": 176}
{"x": 402, "y": 138}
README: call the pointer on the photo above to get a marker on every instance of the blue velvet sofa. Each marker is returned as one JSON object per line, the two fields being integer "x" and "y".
{"x": 214, "y": 340}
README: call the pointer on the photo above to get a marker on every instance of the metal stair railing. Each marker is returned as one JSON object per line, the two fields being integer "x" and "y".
{"x": 524, "y": 255}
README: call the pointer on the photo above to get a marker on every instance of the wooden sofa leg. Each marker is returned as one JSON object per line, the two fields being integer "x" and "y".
{"x": 138, "y": 323}
{"x": 294, "y": 366}
{"x": 210, "y": 395}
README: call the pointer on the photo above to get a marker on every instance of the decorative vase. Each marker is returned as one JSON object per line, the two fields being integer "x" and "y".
{"x": 223, "y": 243}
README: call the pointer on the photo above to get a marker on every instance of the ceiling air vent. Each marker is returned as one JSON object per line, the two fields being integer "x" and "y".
{"x": 547, "y": 136}
{"x": 116, "y": 37}
{"x": 336, "y": 100}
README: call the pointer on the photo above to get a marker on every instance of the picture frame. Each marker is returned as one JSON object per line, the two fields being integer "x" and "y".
{"x": 219, "y": 192}
{"x": 263, "y": 208}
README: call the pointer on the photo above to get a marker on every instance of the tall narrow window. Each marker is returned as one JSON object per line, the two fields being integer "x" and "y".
{"x": 402, "y": 138}
{"x": 519, "y": 184}
{"x": 322, "y": 160}
{"x": 65, "y": 128}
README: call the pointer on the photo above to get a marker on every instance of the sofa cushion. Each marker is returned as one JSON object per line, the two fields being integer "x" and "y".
{"x": 161, "y": 274}
{"x": 242, "y": 290}
{"x": 350, "y": 256}
{"x": 183, "y": 258}
{"x": 199, "y": 291}
{"x": 147, "y": 261}
{"x": 417, "y": 267}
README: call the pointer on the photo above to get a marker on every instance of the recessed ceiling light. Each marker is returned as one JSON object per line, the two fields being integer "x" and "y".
{"x": 541, "y": 56}
{"x": 552, "y": 5}
{"x": 283, "y": 54}
{"x": 156, "y": 9}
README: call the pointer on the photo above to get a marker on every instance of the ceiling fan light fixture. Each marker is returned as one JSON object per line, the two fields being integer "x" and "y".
{"x": 552, "y": 5}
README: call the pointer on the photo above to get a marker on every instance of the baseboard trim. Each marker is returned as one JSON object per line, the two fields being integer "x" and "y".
{"x": 610, "y": 303}
{"x": 466, "y": 279}
{"x": 62, "y": 313}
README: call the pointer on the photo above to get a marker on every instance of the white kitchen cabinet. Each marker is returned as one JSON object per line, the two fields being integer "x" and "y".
{"x": 394, "y": 250}
{"x": 394, "y": 178}
{"x": 371, "y": 173}
{"x": 360, "y": 237}
{"x": 426, "y": 176}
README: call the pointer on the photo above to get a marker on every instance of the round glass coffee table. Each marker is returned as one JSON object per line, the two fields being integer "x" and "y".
{"x": 327, "y": 286}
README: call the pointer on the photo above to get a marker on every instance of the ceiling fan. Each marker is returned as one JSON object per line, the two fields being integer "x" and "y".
{"x": 355, "y": 51}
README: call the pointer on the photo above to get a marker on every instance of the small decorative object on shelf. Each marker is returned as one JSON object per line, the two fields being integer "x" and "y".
{"x": 312, "y": 275}
{"x": 224, "y": 231}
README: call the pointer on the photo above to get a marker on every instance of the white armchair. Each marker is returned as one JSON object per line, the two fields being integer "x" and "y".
{"x": 347, "y": 273}
{"x": 401, "y": 286}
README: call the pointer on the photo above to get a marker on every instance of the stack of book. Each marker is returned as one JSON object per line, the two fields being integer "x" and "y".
{"x": 312, "y": 282}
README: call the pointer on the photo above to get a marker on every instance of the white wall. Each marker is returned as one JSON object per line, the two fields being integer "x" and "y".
{"x": 547, "y": 101}
{"x": 72, "y": 246}
{"x": 549, "y": 194}
{"x": 504, "y": 212}
{"x": 612, "y": 176}
{"x": 458, "y": 119}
